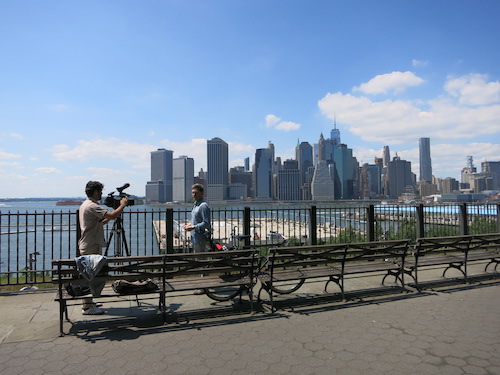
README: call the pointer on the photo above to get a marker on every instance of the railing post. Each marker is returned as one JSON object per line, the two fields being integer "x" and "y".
{"x": 313, "y": 224}
{"x": 78, "y": 232}
{"x": 498, "y": 218}
{"x": 420, "y": 222}
{"x": 370, "y": 222}
{"x": 246, "y": 225}
{"x": 462, "y": 220}
{"x": 169, "y": 220}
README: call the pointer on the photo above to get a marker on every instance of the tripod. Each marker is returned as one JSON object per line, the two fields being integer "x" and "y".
{"x": 120, "y": 239}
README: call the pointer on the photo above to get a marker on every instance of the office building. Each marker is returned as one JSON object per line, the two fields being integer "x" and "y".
{"x": 322, "y": 185}
{"x": 398, "y": 177}
{"x": 425, "y": 160}
{"x": 218, "y": 167}
{"x": 183, "y": 178}
{"x": 288, "y": 181}
{"x": 159, "y": 188}
{"x": 263, "y": 173}
{"x": 304, "y": 157}
{"x": 346, "y": 166}
{"x": 493, "y": 169}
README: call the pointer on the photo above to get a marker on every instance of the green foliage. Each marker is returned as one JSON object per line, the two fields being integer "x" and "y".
{"x": 482, "y": 225}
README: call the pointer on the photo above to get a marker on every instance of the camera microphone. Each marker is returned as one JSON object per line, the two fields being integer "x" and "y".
{"x": 120, "y": 189}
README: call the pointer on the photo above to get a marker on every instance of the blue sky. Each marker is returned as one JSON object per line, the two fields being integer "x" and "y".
{"x": 90, "y": 88}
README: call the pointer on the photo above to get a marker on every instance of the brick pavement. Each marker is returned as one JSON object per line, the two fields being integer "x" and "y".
{"x": 451, "y": 329}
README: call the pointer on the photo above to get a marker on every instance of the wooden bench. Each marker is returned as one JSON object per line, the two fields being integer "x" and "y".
{"x": 289, "y": 267}
{"x": 454, "y": 252}
{"x": 217, "y": 273}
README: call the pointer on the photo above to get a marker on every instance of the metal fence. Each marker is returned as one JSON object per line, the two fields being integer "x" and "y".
{"x": 29, "y": 241}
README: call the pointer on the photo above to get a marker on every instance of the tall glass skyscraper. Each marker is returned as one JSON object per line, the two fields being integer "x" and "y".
{"x": 263, "y": 173}
{"x": 183, "y": 178}
{"x": 425, "y": 159}
{"x": 218, "y": 167}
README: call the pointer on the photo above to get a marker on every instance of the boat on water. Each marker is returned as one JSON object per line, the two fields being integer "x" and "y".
{"x": 69, "y": 203}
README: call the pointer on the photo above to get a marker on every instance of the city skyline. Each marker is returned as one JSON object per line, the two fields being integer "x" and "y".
{"x": 90, "y": 90}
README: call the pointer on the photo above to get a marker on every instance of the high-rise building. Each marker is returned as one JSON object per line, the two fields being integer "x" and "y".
{"x": 304, "y": 157}
{"x": 346, "y": 166}
{"x": 183, "y": 178}
{"x": 263, "y": 173}
{"x": 289, "y": 181}
{"x": 322, "y": 185}
{"x": 425, "y": 160}
{"x": 467, "y": 174}
{"x": 398, "y": 178}
{"x": 386, "y": 156}
{"x": 159, "y": 189}
{"x": 218, "y": 167}
{"x": 493, "y": 169}
{"x": 240, "y": 176}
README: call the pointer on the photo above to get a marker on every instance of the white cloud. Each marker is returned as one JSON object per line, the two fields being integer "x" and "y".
{"x": 136, "y": 154}
{"x": 474, "y": 90}
{"x": 392, "y": 82}
{"x": 419, "y": 63}
{"x": 273, "y": 121}
{"x": 8, "y": 155}
{"x": 48, "y": 170}
{"x": 398, "y": 121}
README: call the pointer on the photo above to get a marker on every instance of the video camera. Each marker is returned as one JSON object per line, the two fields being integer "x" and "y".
{"x": 113, "y": 201}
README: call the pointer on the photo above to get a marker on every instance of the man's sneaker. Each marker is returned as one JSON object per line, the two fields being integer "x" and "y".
{"x": 199, "y": 292}
{"x": 92, "y": 311}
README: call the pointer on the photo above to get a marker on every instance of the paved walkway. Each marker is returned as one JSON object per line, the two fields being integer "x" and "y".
{"x": 452, "y": 329}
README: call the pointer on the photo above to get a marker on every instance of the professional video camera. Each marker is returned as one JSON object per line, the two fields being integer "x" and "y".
{"x": 113, "y": 201}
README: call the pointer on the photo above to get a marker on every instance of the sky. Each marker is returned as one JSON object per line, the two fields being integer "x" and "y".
{"x": 89, "y": 88}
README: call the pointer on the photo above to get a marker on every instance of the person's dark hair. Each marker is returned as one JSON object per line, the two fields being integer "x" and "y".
{"x": 92, "y": 186}
{"x": 198, "y": 187}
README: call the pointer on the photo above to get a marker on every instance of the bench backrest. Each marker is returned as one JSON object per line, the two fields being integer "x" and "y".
{"x": 377, "y": 250}
{"x": 306, "y": 256}
{"x": 232, "y": 262}
{"x": 457, "y": 244}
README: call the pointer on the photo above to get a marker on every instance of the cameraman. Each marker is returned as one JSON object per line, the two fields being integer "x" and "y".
{"x": 92, "y": 217}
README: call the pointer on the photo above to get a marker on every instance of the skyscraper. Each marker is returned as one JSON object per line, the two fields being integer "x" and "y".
{"x": 263, "y": 172}
{"x": 386, "y": 156}
{"x": 322, "y": 186}
{"x": 159, "y": 189}
{"x": 304, "y": 157}
{"x": 425, "y": 160}
{"x": 289, "y": 181}
{"x": 218, "y": 167}
{"x": 183, "y": 178}
{"x": 399, "y": 177}
{"x": 345, "y": 165}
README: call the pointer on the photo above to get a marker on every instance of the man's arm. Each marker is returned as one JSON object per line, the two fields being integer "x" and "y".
{"x": 205, "y": 216}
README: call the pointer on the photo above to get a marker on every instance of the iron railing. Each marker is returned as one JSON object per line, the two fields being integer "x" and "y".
{"x": 30, "y": 240}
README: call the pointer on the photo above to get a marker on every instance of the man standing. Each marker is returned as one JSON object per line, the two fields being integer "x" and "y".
{"x": 92, "y": 218}
{"x": 200, "y": 221}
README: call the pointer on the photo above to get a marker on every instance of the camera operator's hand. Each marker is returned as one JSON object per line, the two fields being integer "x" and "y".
{"x": 123, "y": 201}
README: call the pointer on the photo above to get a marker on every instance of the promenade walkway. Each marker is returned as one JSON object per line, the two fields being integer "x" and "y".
{"x": 447, "y": 329}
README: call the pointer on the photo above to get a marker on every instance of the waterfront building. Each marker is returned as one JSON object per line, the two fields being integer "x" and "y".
{"x": 426, "y": 188}
{"x": 386, "y": 156}
{"x": 183, "y": 178}
{"x": 218, "y": 167}
{"x": 159, "y": 188}
{"x": 237, "y": 191}
{"x": 467, "y": 173}
{"x": 239, "y": 175}
{"x": 346, "y": 166}
{"x": 398, "y": 177}
{"x": 369, "y": 181}
{"x": 263, "y": 173}
{"x": 322, "y": 185}
{"x": 425, "y": 160}
{"x": 304, "y": 157}
{"x": 288, "y": 181}
{"x": 493, "y": 168}
{"x": 449, "y": 185}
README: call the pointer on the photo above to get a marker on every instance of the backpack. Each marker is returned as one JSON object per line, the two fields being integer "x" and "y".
{"x": 134, "y": 287}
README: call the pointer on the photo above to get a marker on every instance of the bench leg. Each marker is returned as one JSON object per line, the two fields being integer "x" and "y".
{"x": 63, "y": 311}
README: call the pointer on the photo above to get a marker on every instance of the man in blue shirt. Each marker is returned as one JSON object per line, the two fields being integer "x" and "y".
{"x": 200, "y": 227}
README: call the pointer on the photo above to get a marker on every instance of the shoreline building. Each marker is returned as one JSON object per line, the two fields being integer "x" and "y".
{"x": 425, "y": 160}
{"x": 263, "y": 173}
{"x": 159, "y": 189}
{"x": 218, "y": 167}
{"x": 183, "y": 178}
